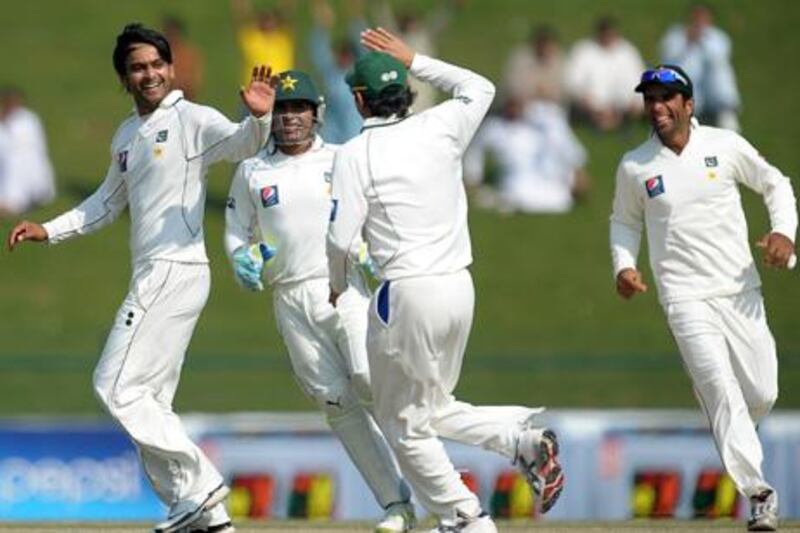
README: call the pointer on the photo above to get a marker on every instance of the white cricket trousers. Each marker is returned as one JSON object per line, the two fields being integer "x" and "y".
{"x": 327, "y": 350}
{"x": 417, "y": 334}
{"x": 729, "y": 352}
{"x": 138, "y": 373}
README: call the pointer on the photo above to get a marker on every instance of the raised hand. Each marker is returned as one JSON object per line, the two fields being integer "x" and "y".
{"x": 382, "y": 40}
{"x": 259, "y": 95}
{"x": 26, "y": 231}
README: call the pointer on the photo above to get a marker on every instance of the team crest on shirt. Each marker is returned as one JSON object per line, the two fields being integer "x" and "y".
{"x": 269, "y": 196}
{"x": 654, "y": 186}
{"x": 122, "y": 161}
{"x": 161, "y": 136}
{"x": 711, "y": 161}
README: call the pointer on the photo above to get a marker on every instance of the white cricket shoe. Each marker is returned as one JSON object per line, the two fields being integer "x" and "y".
{"x": 399, "y": 518}
{"x": 763, "y": 511}
{"x": 185, "y": 513}
{"x": 482, "y": 523}
{"x": 537, "y": 459}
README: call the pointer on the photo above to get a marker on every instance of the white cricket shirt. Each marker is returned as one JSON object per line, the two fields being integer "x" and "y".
{"x": 401, "y": 179}
{"x": 158, "y": 168}
{"x": 285, "y": 201}
{"x": 690, "y": 205}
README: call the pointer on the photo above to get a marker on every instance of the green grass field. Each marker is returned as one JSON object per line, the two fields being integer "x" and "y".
{"x": 548, "y": 329}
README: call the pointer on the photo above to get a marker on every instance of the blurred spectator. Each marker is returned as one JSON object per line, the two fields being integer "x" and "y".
{"x": 535, "y": 69}
{"x": 600, "y": 76}
{"x": 264, "y": 38}
{"x": 540, "y": 161}
{"x": 26, "y": 174}
{"x": 704, "y": 52}
{"x": 187, "y": 59}
{"x": 421, "y": 33}
{"x": 341, "y": 121}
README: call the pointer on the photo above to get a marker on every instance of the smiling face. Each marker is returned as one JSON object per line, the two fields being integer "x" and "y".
{"x": 670, "y": 114}
{"x": 293, "y": 123}
{"x": 148, "y": 77}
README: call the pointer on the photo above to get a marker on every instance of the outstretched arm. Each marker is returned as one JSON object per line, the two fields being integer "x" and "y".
{"x": 96, "y": 211}
{"x": 211, "y": 137}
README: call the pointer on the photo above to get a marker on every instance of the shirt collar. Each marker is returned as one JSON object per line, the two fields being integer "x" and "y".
{"x": 279, "y": 157}
{"x": 171, "y": 99}
{"x": 168, "y": 101}
{"x": 377, "y": 122}
{"x": 694, "y": 128}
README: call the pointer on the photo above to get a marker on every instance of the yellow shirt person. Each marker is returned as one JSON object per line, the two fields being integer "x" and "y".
{"x": 264, "y": 38}
{"x": 274, "y": 48}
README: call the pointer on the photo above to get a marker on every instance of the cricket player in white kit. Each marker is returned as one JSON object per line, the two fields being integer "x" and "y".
{"x": 281, "y": 202}
{"x": 682, "y": 186}
{"x": 159, "y": 158}
{"x": 400, "y": 181}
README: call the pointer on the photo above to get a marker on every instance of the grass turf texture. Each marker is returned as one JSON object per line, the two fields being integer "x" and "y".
{"x": 548, "y": 326}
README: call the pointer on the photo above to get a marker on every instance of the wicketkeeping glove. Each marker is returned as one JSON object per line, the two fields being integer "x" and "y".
{"x": 248, "y": 263}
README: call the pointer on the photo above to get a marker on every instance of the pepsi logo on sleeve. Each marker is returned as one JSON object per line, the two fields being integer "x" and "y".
{"x": 654, "y": 186}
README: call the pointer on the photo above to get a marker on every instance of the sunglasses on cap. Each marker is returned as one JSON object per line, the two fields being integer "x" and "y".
{"x": 663, "y": 75}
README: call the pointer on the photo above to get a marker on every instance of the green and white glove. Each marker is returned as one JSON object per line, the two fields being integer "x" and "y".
{"x": 248, "y": 264}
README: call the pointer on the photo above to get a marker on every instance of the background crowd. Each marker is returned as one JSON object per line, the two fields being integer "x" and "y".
{"x": 526, "y": 157}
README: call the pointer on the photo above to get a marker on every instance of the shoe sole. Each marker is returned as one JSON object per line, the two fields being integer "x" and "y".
{"x": 551, "y": 475}
{"x": 761, "y": 527}
{"x": 221, "y": 528}
{"x": 188, "y": 518}
{"x": 410, "y": 525}
{"x": 227, "y": 527}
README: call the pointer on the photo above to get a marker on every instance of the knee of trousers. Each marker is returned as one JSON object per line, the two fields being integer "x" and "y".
{"x": 118, "y": 403}
{"x": 762, "y": 403}
{"x": 334, "y": 398}
{"x": 103, "y": 391}
{"x": 362, "y": 387}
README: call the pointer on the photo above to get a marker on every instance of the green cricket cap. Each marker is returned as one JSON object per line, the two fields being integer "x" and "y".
{"x": 296, "y": 85}
{"x": 375, "y": 71}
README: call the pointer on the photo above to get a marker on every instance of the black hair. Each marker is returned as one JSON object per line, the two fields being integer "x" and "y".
{"x": 393, "y": 100}
{"x": 138, "y": 33}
